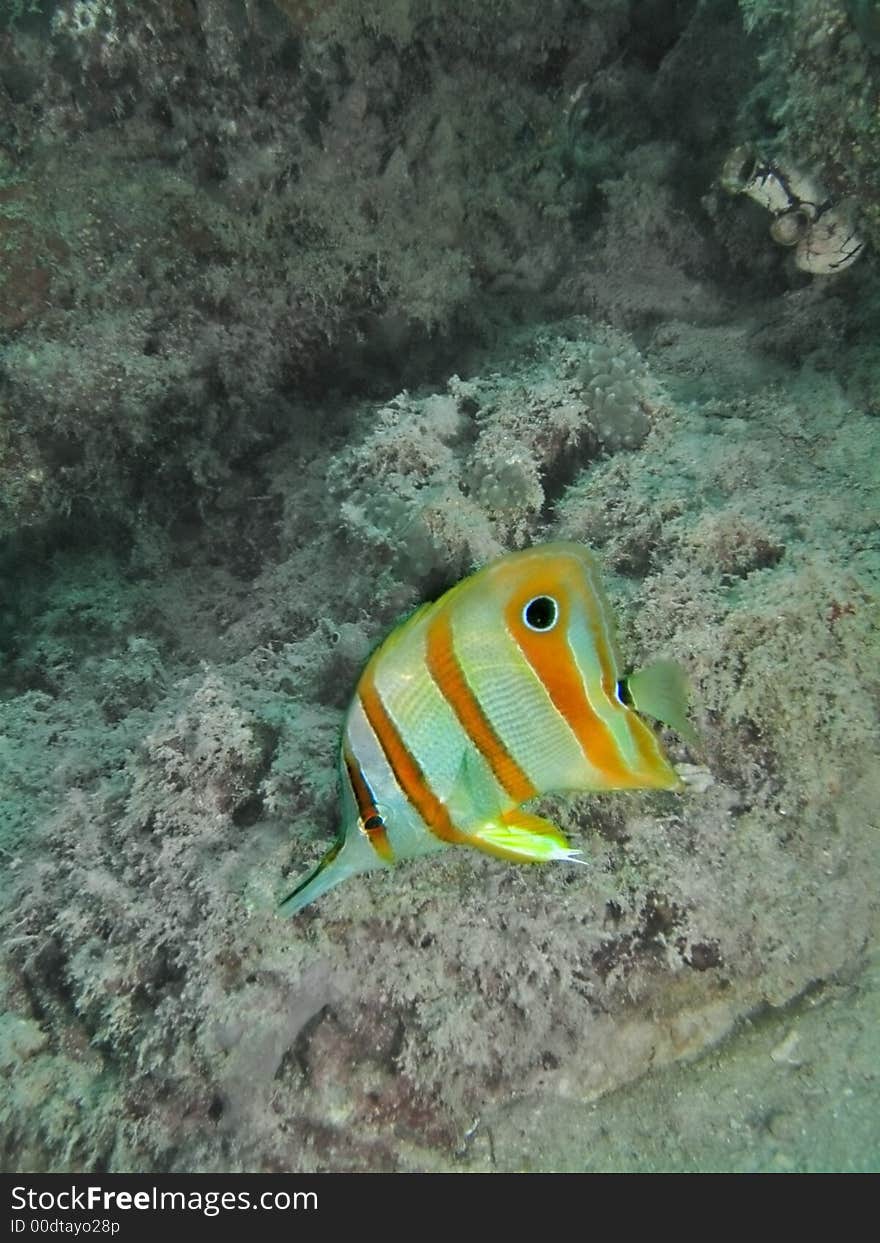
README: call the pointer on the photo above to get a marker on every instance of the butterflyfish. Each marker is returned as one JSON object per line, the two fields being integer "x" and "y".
{"x": 509, "y": 686}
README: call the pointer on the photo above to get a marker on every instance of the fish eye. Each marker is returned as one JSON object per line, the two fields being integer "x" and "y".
{"x": 541, "y": 613}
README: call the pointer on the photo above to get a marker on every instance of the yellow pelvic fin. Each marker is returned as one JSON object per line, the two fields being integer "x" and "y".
{"x": 661, "y": 690}
{"x": 519, "y": 836}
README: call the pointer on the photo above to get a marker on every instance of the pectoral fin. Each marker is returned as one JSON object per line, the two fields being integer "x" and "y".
{"x": 474, "y": 796}
{"x": 519, "y": 836}
{"x": 514, "y": 834}
{"x": 661, "y": 691}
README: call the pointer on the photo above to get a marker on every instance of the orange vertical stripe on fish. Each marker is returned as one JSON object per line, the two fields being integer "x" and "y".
{"x": 405, "y": 767}
{"x": 448, "y": 676}
{"x": 370, "y": 821}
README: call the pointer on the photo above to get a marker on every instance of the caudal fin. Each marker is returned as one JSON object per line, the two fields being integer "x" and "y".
{"x": 318, "y": 881}
{"x": 350, "y": 855}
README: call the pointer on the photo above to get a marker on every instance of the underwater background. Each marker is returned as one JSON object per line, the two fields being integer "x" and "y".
{"x": 307, "y": 309}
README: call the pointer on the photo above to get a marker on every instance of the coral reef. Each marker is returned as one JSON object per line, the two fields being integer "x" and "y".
{"x": 147, "y": 972}
{"x": 307, "y": 308}
{"x": 210, "y": 278}
{"x": 449, "y": 479}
